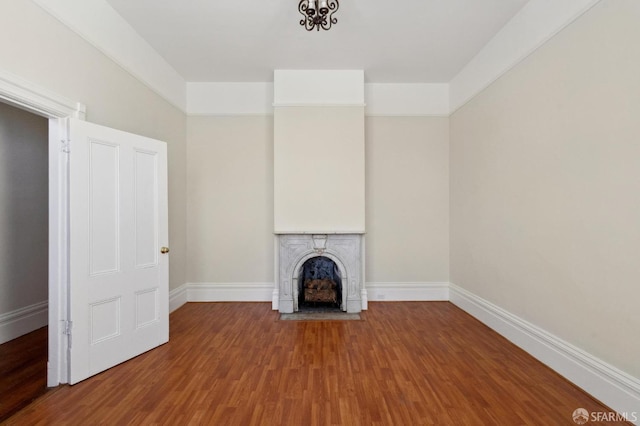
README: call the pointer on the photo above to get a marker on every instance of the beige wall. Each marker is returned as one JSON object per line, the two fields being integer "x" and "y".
{"x": 407, "y": 199}
{"x": 545, "y": 187}
{"x": 230, "y": 199}
{"x": 23, "y": 209}
{"x": 38, "y": 48}
{"x": 319, "y": 169}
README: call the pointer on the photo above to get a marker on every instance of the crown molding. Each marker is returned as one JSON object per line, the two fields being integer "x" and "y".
{"x": 382, "y": 99}
{"x": 407, "y": 99}
{"x": 535, "y": 24}
{"x": 99, "y": 24}
{"x": 223, "y": 99}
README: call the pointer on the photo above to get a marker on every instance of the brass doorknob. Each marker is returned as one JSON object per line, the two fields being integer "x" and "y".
{"x": 164, "y": 250}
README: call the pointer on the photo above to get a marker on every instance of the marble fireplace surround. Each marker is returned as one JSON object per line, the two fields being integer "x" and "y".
{"x": 346, "y": 250}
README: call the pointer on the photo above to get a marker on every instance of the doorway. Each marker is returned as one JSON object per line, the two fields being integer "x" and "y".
{"x": 53, "y": 108}
{"x": 73, "y": 306}
{"x": 24, "y": 217}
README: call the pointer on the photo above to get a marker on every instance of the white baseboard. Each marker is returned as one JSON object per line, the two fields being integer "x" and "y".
{"x": 265, "y": 292}
{"x": 24, "y": 320}
{"x": 230, "y": 292}
{"x": 613, "y": 387}
{"x": 177, "y": 297}
{"x": 408, "y": 291}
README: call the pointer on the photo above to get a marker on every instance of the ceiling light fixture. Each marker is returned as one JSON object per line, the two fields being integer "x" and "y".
{"x": 318, "y": 17}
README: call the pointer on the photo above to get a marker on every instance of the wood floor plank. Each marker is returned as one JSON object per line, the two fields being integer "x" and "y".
{"x": 23, "y": 371}
{"x": 409, "y": 363}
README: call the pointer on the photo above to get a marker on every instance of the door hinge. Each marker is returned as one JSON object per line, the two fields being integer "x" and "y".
{"x": 66, "y": 146}
{"x": 66, "y": 329}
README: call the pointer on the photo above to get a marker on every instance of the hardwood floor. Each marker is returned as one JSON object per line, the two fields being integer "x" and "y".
{"x": 23, "y": 371}
{"x": 409, "y": 363}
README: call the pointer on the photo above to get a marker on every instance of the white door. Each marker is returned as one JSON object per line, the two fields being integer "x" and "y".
{"x": 118, "y": 292}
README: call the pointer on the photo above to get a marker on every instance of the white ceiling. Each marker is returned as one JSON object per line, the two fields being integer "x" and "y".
{"x": 394, "y": 41}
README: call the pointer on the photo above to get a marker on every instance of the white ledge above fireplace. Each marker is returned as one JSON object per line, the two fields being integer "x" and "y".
{"x": 350, "y": 231}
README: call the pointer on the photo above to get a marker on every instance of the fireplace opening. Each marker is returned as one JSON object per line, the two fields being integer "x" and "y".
{"x": 319, "y": 285}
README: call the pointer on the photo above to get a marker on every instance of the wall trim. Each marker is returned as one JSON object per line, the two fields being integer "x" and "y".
{"x": 231, "y": 114}
{"x": 256, "y": 99}
{"x": 38, "y": 100}
{"x": 229, "y": 292}
{"x": 25, "y": 95}
{"x": 270, "y": 114}
{"x": 613, "y": 387}
{"x": 177, "y": 297}
{"x": 535, "y": 24}
{"x": 265, "y": 292}
{"x": 400, "y": 115}
{"x": 229, "y": 99}
{"x": 24, "y": 320}
{"x": 318, "y": 104}
{"x": 407, "y": 99}
{"x": 407, "y": 291}
{"x": 101, "y": 26}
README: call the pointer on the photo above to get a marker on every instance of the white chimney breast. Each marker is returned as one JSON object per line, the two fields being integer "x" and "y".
{"x": 319, "y": 180}
{"x": 319, "y": 153}
{"x": 319, "y": 170}
{"x": 318, "y": 87}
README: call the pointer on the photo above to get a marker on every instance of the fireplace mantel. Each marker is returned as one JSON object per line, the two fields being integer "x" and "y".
{"x": 346, "y": 250}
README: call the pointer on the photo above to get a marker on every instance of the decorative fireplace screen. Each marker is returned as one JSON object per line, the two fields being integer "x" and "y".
{"x": 320, "y": 282}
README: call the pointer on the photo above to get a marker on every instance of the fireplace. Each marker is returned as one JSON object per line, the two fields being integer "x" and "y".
{"x": 319, "y": 285}
{"x": 319, "y": 187}
{"x": 320, "y": 268}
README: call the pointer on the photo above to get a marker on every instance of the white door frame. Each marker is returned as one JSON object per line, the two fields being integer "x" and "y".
{"x": 37, "y": 100}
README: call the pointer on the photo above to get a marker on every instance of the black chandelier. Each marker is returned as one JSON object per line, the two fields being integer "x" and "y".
{"x": 316, "y": 17}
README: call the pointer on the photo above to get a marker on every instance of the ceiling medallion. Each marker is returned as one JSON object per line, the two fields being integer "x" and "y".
{"x": 318, "y": 17}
